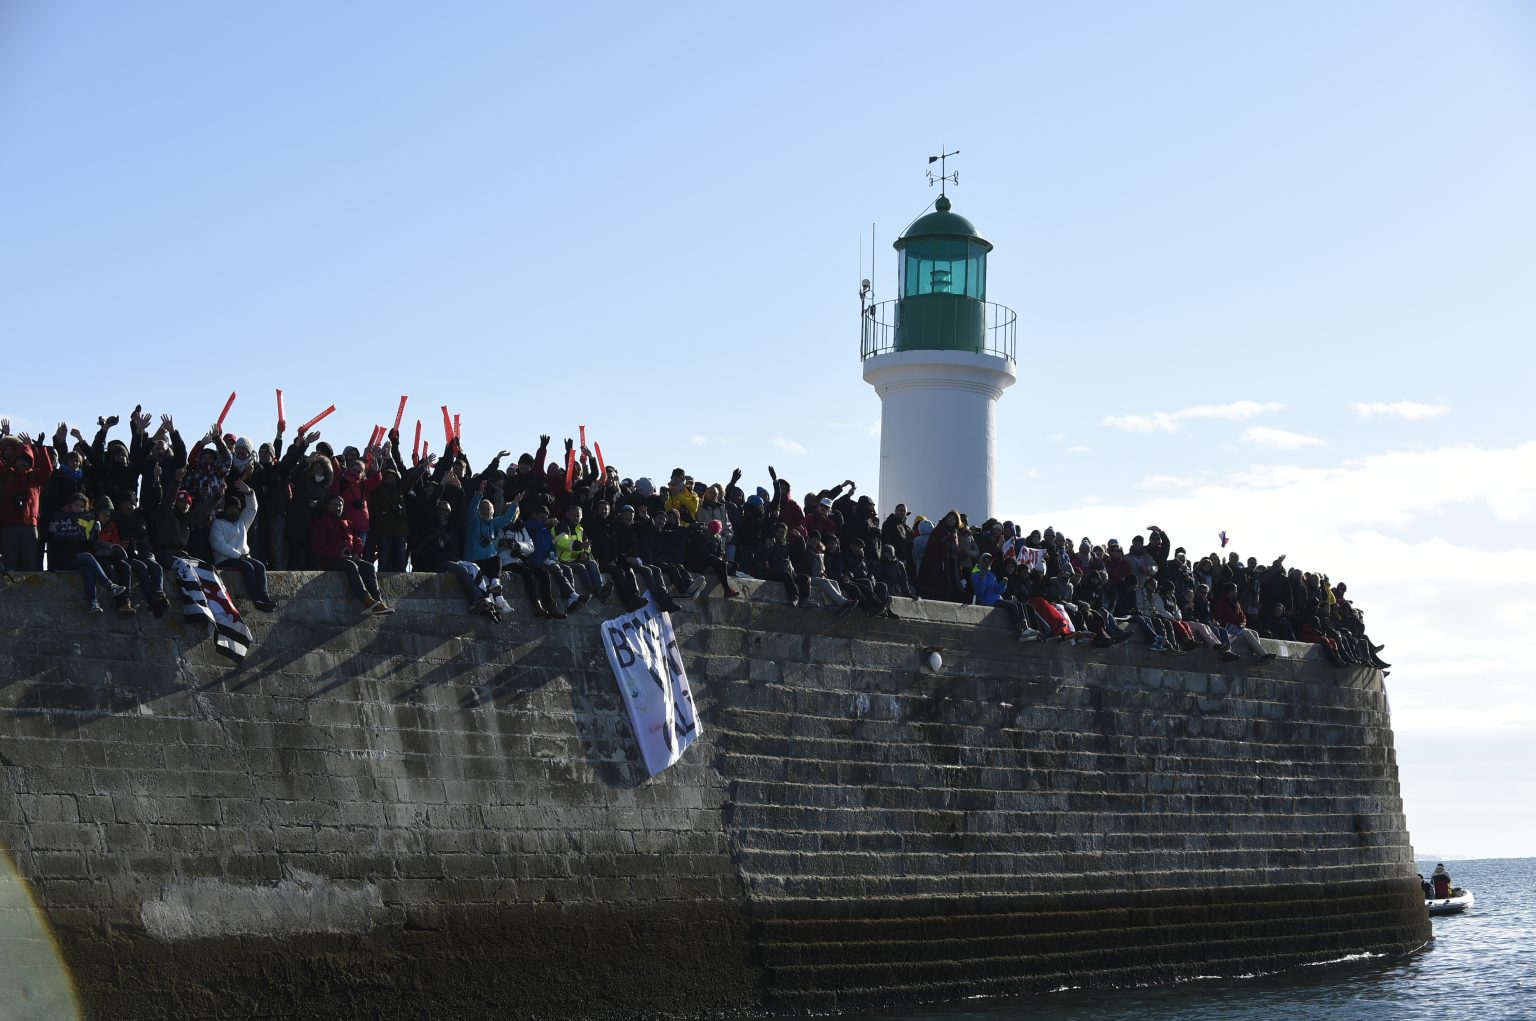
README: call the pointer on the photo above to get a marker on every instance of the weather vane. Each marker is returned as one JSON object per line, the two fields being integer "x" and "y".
{"x": 941, "y": 177}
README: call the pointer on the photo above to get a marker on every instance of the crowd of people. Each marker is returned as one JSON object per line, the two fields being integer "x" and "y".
{"x": 119, "y": 511}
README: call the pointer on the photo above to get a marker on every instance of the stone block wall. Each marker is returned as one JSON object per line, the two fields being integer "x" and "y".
{"x": 373, "y": 817}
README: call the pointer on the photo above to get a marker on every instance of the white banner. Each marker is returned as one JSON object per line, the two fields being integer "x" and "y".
{"x": 642, "y": 649}
{"x": 1025, "y": 556}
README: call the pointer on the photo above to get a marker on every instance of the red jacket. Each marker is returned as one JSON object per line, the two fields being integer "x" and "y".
{"x": 1228, "y": 611}
{"x": 355, "y": 496}
{"x": 330, "y": 538}
{"x": 19, "y": 490}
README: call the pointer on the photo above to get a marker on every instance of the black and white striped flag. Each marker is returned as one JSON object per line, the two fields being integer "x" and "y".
{"x": 204, "y": 599}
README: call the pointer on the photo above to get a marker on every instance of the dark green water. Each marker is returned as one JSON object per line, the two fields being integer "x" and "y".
{"x": 1481, "y": 967}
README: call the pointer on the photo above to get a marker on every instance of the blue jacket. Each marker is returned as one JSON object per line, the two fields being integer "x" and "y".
{"x": 986, "y": 587}
{"x": 543, "y": 542}
{"x": 480, "y": 536}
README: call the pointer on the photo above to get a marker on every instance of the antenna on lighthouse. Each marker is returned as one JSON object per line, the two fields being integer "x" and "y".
{"x": 942, "y": 176}
{"x": 866, "y": 283}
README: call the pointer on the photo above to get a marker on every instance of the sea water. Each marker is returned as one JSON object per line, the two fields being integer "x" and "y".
{"x": 1480, "y": 967}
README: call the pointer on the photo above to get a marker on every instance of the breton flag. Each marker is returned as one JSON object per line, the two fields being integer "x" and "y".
{"x": 205, "y": 600}
{"x": 642, "y": 649}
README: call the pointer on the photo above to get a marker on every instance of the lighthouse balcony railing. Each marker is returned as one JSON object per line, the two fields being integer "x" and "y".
{"x": 881, "y": 330}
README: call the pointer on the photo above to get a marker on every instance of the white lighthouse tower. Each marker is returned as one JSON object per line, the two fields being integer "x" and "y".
{"x": 939, "y": 356}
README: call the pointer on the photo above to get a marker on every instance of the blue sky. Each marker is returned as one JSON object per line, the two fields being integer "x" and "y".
{"x": 653, "y": 222}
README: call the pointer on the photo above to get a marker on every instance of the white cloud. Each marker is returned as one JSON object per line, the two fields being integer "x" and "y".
{"x": 1280, "y": 439}
{"x": 1172, "y": 421}
{"x": 1169, "y": 482}
{"x": 1453, "y": 609}
{"x": 1411, "y": 410}
{"x": 699, "y": 441}
{"x": 788, "y": 446}
{"x": 1446, "y": 720}
{"x": 1079, "y": 449}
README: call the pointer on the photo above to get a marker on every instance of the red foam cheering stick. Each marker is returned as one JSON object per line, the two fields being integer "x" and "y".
{"x": 416, "y": 443}
{"x": 602, "y": 469}
{"x": 456, "y": 434}
{"x": 307, "y": 426}
{"x": 400, "y": 412}
{"x": 447, "y": 427}
{"x": 280, "y": 415}
{"x": 227, "y": 405}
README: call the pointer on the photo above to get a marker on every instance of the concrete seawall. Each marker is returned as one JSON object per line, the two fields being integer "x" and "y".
{"x": 377, "y": 818}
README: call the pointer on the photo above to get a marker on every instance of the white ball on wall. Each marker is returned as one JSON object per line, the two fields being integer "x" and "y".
{"x": 935, "y": 661}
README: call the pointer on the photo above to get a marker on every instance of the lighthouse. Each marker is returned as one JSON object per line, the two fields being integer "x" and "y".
{"x": 939, "y": 356}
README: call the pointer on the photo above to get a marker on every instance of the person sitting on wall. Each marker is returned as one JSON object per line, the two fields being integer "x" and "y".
{"x": 892, "y": 573}
{"x": 989, "y": 589}
{"x": 858, "y": 577}
{"x": 705, "y": 555}
{"x": 518, "y": 554}
{"x": 575, "y": 554}
{"x": 829, "y": 590}
{"x": 1104, "y": 629}
{"x": 540, "y": 523}
{"x": 778, "y": 558}
{"x": 1193, "y": 632}
{"x": 71, "y": 534}
{"x": 1277, "y": 623}
{"x": 336, "y": 548}
{"x": 1155, "y": 617}
{"x": 229, "y": 538}
{"x": 669, "y": 547}
{"x": 125, "y": 550}
{"x": 1227, "y": 614}
{"x": 1349, "y": 620}
{"x": 482, "y": 527}
{"x": 629, "y": 542}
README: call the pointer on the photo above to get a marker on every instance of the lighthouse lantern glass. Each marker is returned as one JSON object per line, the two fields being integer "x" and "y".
{"x": 943, "y": 266}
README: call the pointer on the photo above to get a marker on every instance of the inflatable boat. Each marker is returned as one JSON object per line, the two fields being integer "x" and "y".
{"x": 1455, "y": 904}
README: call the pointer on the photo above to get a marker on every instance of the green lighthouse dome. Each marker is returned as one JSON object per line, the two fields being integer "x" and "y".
{"x": 943, "y": 222}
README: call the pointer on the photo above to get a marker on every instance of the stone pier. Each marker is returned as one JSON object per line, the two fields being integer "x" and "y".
{"x": 429, "y": 813}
